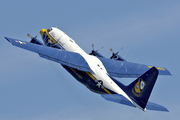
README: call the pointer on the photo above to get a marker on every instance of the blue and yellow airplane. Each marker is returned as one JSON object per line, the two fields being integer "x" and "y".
{"x": 97, "y": 72}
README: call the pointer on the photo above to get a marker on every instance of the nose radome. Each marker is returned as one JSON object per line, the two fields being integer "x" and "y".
{"x": 42, "y": 31}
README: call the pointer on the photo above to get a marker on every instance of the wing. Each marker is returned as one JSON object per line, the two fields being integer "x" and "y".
{"x": 70, "y": 59}
{"x": 122, "y": 69}
{"x": 114, "y": 68}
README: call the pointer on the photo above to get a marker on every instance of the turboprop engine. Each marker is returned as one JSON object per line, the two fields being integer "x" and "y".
{"x": 34, "y": 40}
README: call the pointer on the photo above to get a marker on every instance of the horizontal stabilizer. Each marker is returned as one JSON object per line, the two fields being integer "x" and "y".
{"x": 154, "y": 106}
{"x": 117, "y": 98}
{"x": 122, "y": 100}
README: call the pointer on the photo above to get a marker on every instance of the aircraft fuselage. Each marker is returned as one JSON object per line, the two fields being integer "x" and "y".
{"x": 98, "y": 80}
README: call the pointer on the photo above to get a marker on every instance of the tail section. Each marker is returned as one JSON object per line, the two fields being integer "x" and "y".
{"x": 139, "y": 90}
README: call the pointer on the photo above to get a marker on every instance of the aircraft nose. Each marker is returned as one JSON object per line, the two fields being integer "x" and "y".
{"x": 42, "y": 31}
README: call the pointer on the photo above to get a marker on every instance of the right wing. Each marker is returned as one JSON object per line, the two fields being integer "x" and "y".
{"x": 70, "y": 59}
{"x": 125, "y": 69}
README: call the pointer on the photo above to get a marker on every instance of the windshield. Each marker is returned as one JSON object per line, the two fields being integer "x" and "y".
{"x": 48, "y": 30}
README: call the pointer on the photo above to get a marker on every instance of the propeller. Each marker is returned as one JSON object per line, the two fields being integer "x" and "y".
{"x": 97, "y": 49}
{"x": 31, "y": 36}
{"x": 34, "y": 40}
{"x": 117, "y": 52}
{"x": 116, "y": 56}
{"x": 95, "y": 52}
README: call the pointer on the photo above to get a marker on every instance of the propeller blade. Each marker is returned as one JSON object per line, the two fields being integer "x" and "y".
{"x": 100, "y": 48}
{"x": 29, "y": 36}
{"x": 119, "y": 50}
{"x": 93, "y": 47}
{"x": 111, "y": 50}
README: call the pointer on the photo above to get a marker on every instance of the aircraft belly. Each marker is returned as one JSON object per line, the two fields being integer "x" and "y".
{"x": 88, "y": 81}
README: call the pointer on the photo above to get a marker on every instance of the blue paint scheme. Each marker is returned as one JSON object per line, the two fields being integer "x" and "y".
{"x": 123, "y": 69}
{"x": 139, "y": 90}
{"x": 86, "y": 80}
{"x": 118, "y": 99}
{"x": 122, "y": 100}
{"x": 114, "y": 68}
{"x": 63, "y": 57}
{"x": 76, "y": 65}
{"x": 154, "y": 106}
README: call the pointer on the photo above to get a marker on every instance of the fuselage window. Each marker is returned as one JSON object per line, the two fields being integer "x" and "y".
{"x": 71, "y": 40}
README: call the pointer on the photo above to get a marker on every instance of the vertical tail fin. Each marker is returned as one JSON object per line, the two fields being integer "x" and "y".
{"x": 139, "y": 90}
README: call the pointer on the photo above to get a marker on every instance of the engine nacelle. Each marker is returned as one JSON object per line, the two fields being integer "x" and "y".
{"x": 117, "y": 57}
{"x": 95, "y": 53}
{"x": 36, "y": 41}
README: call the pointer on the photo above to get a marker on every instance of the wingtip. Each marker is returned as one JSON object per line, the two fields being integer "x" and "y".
{"x": 8, "y": 40}
{"x": 156, "y": 107}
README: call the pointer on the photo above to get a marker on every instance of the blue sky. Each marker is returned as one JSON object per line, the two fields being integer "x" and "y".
{"x": 33, "y": 88}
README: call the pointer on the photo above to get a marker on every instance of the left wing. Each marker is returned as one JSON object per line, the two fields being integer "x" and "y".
{"x": 70, "y": 59}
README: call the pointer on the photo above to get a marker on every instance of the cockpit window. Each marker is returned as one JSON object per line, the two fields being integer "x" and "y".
{"x": 48, "y": 30}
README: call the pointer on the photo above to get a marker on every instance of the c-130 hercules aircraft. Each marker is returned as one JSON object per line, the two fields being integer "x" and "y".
{"x": 97, "y": 72}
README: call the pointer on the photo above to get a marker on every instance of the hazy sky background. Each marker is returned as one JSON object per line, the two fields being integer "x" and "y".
{"x": 32, "y": 88}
